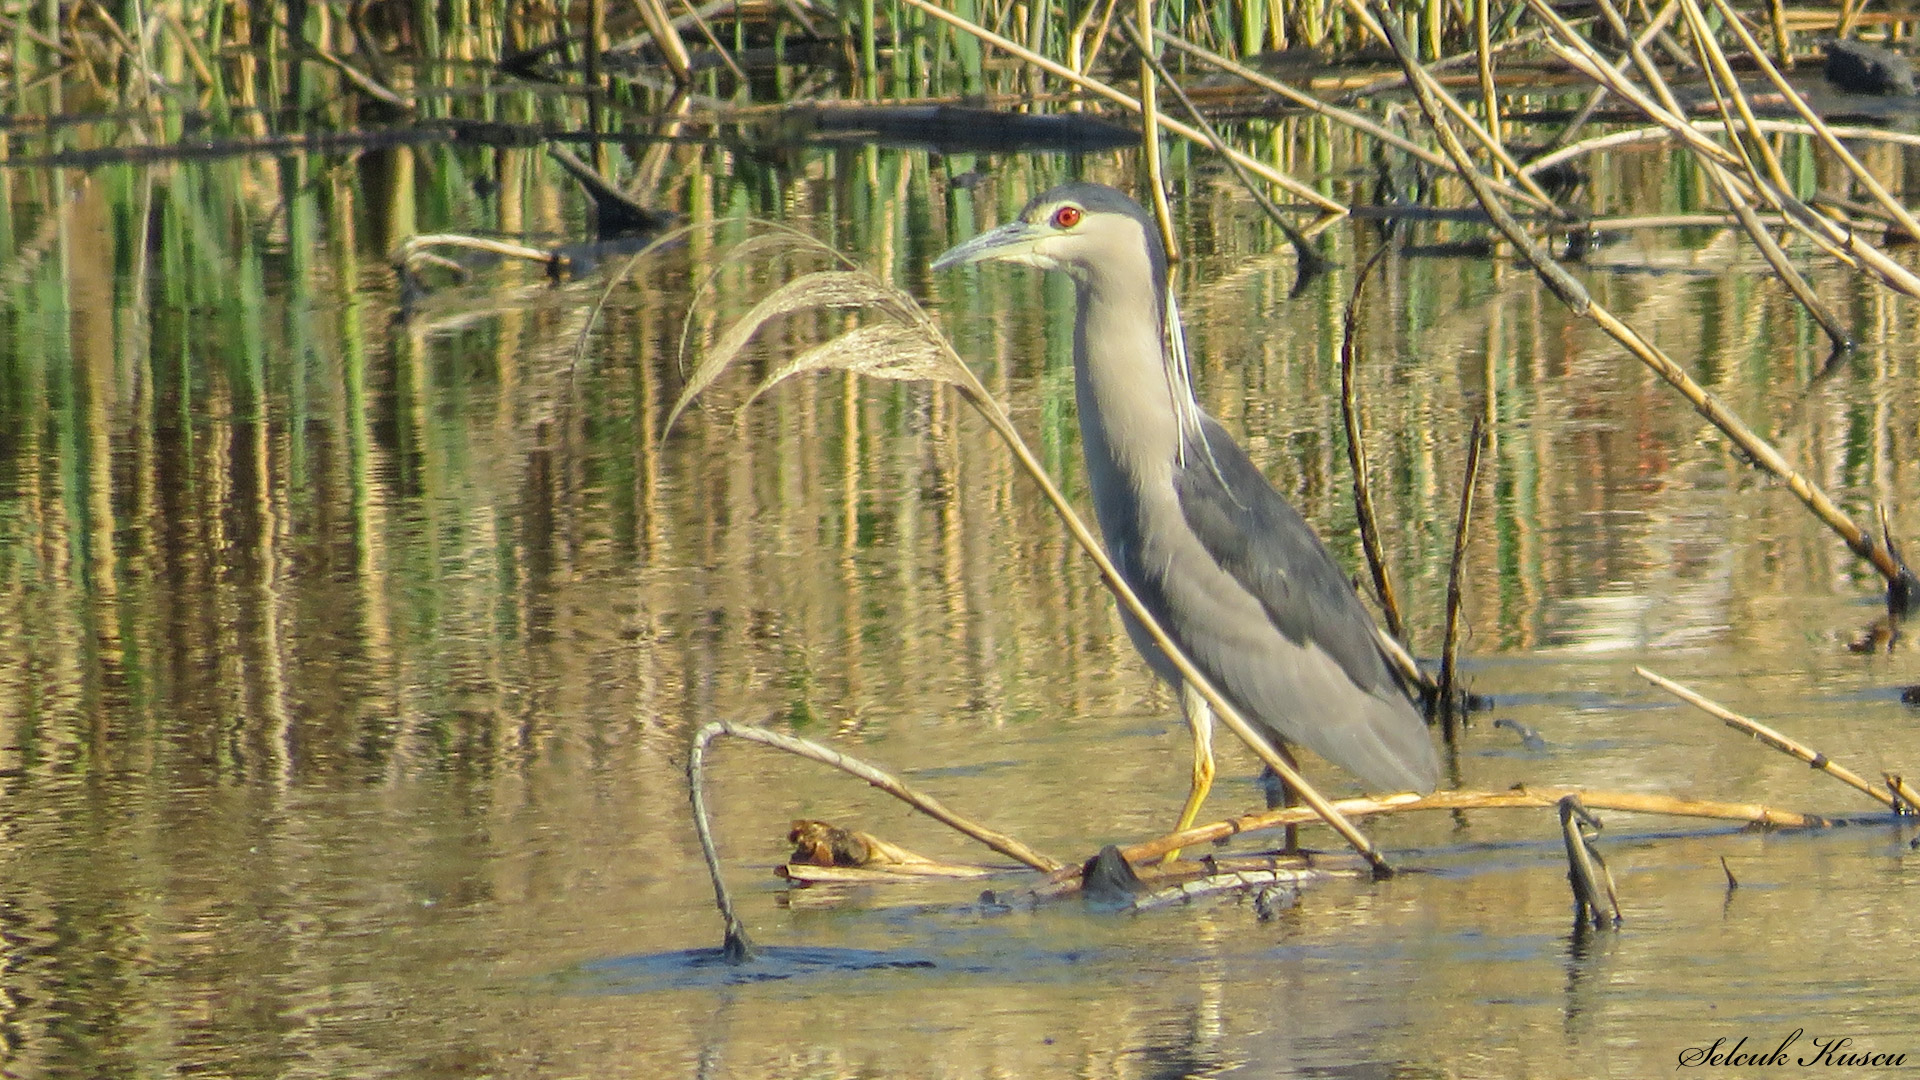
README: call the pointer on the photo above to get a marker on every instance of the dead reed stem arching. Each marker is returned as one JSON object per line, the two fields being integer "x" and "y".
{"x": 1772, "y": 738}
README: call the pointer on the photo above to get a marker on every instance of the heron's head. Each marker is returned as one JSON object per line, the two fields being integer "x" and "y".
{"x": 1090, "y": 232}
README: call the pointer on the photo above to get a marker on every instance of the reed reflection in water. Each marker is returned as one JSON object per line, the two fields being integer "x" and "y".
{"x": 347, "y": 664}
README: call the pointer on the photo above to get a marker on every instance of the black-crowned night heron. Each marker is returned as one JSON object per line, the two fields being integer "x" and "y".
{"x": 1231, "y": 571}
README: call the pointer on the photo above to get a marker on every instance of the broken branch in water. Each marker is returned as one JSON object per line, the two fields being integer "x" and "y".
{"x": 823, "y": 845}
{"x": 1594, "y": 897}
{"x": 1149, "y": 873}
{"x": 887, "y": 782}
{"x": 736, "y": 946}
{"x": 1630, "y": 802}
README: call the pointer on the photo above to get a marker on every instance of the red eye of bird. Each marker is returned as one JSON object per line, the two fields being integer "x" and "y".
{"x": 1067, "y": 217}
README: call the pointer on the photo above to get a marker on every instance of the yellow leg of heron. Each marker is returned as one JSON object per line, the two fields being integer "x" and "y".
{"x": 1200, "y": 719}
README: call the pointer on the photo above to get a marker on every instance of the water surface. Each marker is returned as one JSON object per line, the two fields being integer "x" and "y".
{"x": 348, "y": 662}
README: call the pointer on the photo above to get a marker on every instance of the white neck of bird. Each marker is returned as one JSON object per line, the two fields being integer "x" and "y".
{"x": 1136, "y": 402}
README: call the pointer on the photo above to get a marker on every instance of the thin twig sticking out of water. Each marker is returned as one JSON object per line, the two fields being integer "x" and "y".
{"x": 1772, "y": 738}
{"x": 1901, "y": 584}
{"x": 1357, "y": 454}
{"x": 1449, "y": 707}
{"x": 736, "y": 946}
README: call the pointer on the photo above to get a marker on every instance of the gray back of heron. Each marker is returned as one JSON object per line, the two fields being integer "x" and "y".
{"x": 1230, "y": 570}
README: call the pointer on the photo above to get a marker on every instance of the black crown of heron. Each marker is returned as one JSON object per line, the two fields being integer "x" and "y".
{"x": 1230, "y": 570}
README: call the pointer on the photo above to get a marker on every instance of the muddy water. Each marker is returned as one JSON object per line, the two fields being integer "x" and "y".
{"x": 348, "y": 663}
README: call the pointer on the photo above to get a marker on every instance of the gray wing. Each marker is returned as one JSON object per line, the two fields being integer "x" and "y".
{"x": 1361, "y": 717}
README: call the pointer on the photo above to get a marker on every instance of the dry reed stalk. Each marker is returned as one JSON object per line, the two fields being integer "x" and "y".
{"x": 594, "y": 79}
{"x": 1777, "y": 16}
{"x": 1637, "y": 52}
{"x": 1453, "y": 801}
{"x": 1826, "y": 234}
{"x": 1900, "y": 582}
{"x": 1726, "y": 91}
{"x": 1227, "y": 881}
{"x": 1777, "y": 192}
{"x": 1372, "y": 85}
{"x": 891, "y": 874}
{"x": 1264, "y": 171}
{"x": 1150, "y": 133}
{"x": 1426, "y": 85}
{"x": 1489, "y": 91}
{"x": 1359, "y": 122}
{"x": 926, "y": 804}
{"x": 1158, "y": 884}
{"x": 726, "y": 55}
{"x": 1909, "y": 800}
{"x": 1726, "y": 88}
{"x": 415, "y": 248}
{"x": 1843, "y": 25}
{"x": 1450, "y": 643}
{"x": 1357, "y": 455}
{"x": 368, "y": 84}
{"x": 1656, "y": 134}
{"x": 1672, "y": 221}
{"x": 1909, "y": 797}
{"x": 185, "y": 39}
{"x": 1771, "y": 737}
{"x": 660, "y": 25}
{"x": 1826, "y": 135}
{"x": 1598, "y": 95}
{"x": 1079, "y": 57}
{"x": 24, "y": 27}
{"x": 1311, "y": 262}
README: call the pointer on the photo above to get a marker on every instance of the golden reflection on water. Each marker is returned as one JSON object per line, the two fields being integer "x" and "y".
{"x": 347, "y": 664}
